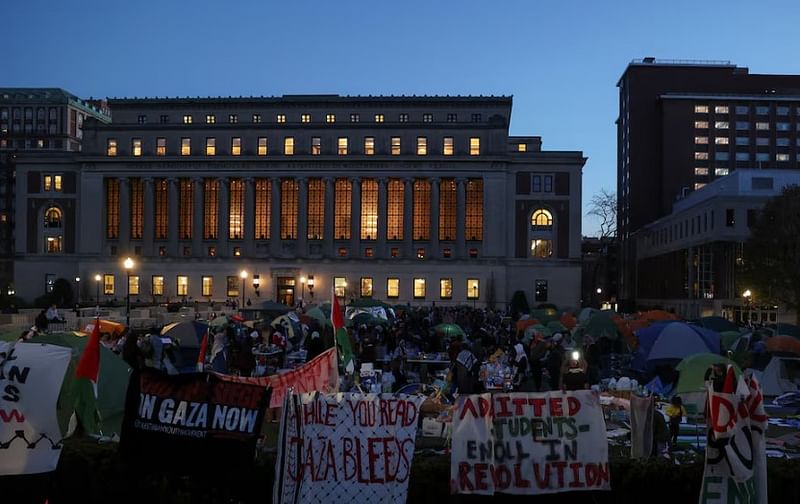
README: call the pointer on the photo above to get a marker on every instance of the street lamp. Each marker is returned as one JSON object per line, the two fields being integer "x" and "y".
{"x": 243, "y": 276}
{"x": 748, "y": 299}
{"x": 311, "y": 286}
{"x": 78, "y": 288}
{"x": 257, "y": 284}
{"x": 128, "y": 267}
{"x": 97, "y": 280}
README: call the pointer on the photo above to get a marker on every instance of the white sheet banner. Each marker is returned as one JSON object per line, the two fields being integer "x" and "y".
{"x": 346, "y": 448}
{"x": 30, "y": 381}
{"x": 526, "y": 443}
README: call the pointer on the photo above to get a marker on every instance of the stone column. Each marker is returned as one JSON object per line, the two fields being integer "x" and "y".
{"x": 125, "y": 217}
{"x": 275, "y": 216}
{"x": 330, "y": 209}
{"x": 408, "y": 218}
{"x": 249, "y": 249}
{"x": 460, "y": 217}
{"x": 302, "y": 217}
{"x": 197, "y": 217}
{"x": 148, "y": 223}
{"x": 434, "y": 233}
{"x": 355, "y": 215}
{"x": 222, "y": 218}
{"x": 383, "y": 218}
{"x": 172, "y": 222}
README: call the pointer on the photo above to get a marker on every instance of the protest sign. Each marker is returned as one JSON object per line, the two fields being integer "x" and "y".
{"x": 30, "y": 380}
{"x": 736, "y": 457}
{"x": 192, "y": 418}
{"x": 320, "y": 374}
{"x": 525, "y": 443}
{"x": 346, "y": 448}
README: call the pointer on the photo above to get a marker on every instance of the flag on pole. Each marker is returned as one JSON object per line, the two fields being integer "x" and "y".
{"x": 201, "y": 357}
{"x": 89, "y": 365}
{"x": 337, "y": 320}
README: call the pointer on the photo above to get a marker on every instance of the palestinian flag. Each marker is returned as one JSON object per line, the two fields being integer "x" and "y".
{"x": 337, "y": 320}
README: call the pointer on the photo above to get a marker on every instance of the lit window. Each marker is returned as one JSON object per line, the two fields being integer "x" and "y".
{"x": 186, "y": 146}
{"x": 473, "y": 225}
{"x": 369, "y": 146}
{"x": 237, "y": 251}
{"x": 394, "y": 209}
{"x": 781, "y": 157}
{"x": 52, "y": 217}
{"x": 446, "y": 288}
{"x": 263, "y": 211}
{"x": 233, "y": 118}
{"x": 701, "y": 124}
{"x": 419, "y": 288}
{"x": 473, "y": 253}
{"x": 721, "y": 125}
{"x": 157, "y": 285}
{"x": 701, "y": 171}
{"x": 232, "y": 286}
{"x": 236, "y": 209}
{"x": 541, "y": 248}
{"x": 136, "y": 146}
{"x": 57, "y": 183}
{"x": 112, "y": 208}
{"x": 395, "y": 252}
{"x": 421, "y": 253}
{"x": 421, "y": 211}
{"x": 342, "y": 252}
{"x": 403, "y": 118}
{"x": 540, "y": 290}
{"x": 183, "y": 285}
{"x": 473, "y": 288}
{"x": 452, "y": 118}
{"x": 395, "y": 146}
{"x": 133, "y": 285}
{"x": 48, "y": 182}
{"x": 161, "y": 146}
{"x": 542, "y": 220}
{"x": 290, "y": 189}
{"x": 369, "y": 252}
{"x": 111, "y": 147}
{"x": 701, "y": 140}
{"x": 305, "y": 118}
{"x": 721, "y": 140}
{"x": 474, "y": 146}
{"x": 447, "y": 147}
{"x": 330, "y": 118}
{"x": 339, "y": 286}
{"x": 762, "y": 126}
{"x": 316, "y": 146}
{"x": 208, "y": 286}
{"x": 762, "y": 110}
{"x": 211, "y": 119}
{"x": 427, "y": 118}
{"x": 187, "y": 119}
{"x": 721, "y": 109}
{"x": 236, "y": 146}
{"x": 108, "y": 285}
{"x": 447, "y": 253}
{"x": 212, "y": 251}
{"x": 720, "y": 172}
{"x": 315, "y": 209}
{"x": 369, "y": 209}
{"x": 522, "y": 147}
{"x": 366, "y": 287}
{"x": 701, "y": 109}
{"x": 342, "y": 146}
{"x": 701, "y": 155}
{"x": 54, "y": 244}
{"x": 262, "y": 146}
{"x": 422, "y": 146}
{"x": 355, "y": 118}
{"x": 343, "y": 197}
{"x": 211, "y": 146}
{"x": 288, "y": 146}
{"x": 280, "y": 118}
{"x": 378, "y": 118}
{"x": 447, "y": 209}
{"x": 392, "y": 288}
{"x": 256, "y": 118}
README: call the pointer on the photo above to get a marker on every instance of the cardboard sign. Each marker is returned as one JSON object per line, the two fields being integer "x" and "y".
{"x": 346, "y": 448}
{"x": 526, "y": 443}
{"x": 30, "y": 381}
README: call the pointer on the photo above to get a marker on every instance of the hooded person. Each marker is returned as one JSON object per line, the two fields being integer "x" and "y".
{"x": 465, "y": 370}
{"x": 521, "y": 374}
{"x": 314, "y": 345}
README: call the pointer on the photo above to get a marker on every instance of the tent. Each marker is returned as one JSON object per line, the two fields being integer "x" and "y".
{"x": 449, "y": 330}
{"x": 600, "y": 325}
{"x": 718, "y": 324}
{"x": 568, "y": 320}
{"x": 693, "y": 371}
{"x": 781, "y": 375}
{"x": 672, "y": 341}
{"x": 106, "y": 326}
{"x": 188, "y": 333}
{"x": 545, "y": 315}
{"x": 788, "y": 329}
{"x": 657, "y": 315}
{"x": 586, "y": 313}
{"x": 783, "y": 344}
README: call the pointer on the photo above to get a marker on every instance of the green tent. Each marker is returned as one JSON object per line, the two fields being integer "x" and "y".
{"x": 556, "y": 326}
{"x": 600, "y": 325}
{"x": 449, "y": 330}
{"x": 545, "y": 315}
{"x": 693, "y": 370}
{"x": 729, "y": 339}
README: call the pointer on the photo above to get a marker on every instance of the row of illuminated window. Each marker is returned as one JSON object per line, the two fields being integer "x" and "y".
{"x": 743, "y": 156}
{"x": 315, "y": 147}
{"x": 329, "y": 118}
{"x": 746, "y": 125}
{"x": 419, "y": 288}
{"x": 745, "y": 141}
{"x": 743, "y": 109}
{"x": 208, "y": 206}
{"x": 52, "y": 183}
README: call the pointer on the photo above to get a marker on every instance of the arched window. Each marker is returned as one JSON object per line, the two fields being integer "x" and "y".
{"x": 541, "y": 220}
{"x": 540, "y": 234}
{"x": 52, "y": 217}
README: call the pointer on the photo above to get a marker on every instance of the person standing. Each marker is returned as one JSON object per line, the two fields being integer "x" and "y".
{"x": 555, "y": 357}
{"x": 675, "y": 411}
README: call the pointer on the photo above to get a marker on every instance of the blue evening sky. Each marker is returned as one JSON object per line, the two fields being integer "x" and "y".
{"x": 559, "y": 59}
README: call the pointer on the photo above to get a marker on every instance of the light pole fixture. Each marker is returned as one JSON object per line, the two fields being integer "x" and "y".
{"x": 97, "y": 280}
{"x": 128, "y": 267}
{"x": 257, "y": 284}
{"x": 78, "y": 288}
{"x": 599, "y": 291}
{"x": 311, "y": 286}
{"x": 748, "y": 298}
{"x": 243, "y": 276}
{"x": 302, "y": 289}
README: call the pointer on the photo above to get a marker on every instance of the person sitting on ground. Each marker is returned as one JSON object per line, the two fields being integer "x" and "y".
{"x": 41, "y": 321}
{"x": 675, "y": 411}
{"x": 53, "y": 315}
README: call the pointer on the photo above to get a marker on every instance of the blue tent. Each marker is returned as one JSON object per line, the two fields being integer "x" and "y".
{"x": 672, "y": 341}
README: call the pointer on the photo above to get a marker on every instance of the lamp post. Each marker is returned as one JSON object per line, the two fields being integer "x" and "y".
{"x": 302, "y": 290}
{"x": 748, "y": 299}
{"x": 243, "y": 276}
{"x": 311, "y": 286}
{"x": 78, "y": 288}
{"x": 97, "y": 280}
{"x": 128, "y": 267}
{"x": 256, "y": 284}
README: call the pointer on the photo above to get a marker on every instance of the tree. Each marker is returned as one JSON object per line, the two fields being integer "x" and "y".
{"x": 604, "y": 206}
{"x": 772, "y": 254}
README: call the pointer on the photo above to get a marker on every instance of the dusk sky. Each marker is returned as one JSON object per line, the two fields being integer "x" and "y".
{"x": 559, "y": 59}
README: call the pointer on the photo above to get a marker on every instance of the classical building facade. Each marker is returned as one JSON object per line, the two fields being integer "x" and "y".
{"x": 405, "y": 199}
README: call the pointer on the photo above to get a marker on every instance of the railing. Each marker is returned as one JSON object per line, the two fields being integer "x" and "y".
{"x": 656, "y": 61}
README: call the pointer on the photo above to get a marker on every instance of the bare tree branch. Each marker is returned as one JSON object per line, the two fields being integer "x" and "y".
{"x": 604, "y": 206}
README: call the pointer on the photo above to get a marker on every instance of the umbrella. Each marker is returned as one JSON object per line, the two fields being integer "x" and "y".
{"x": 319, "y": 316}
{"x": 693, "y": 370}
{"x": 586, "y": 314}
{"x": 219, "y": 323}
{"x": 188, "y": 333}
{"x": 600, "y": 325}
{"x": 106, "y": 326}
{"x": 524, "y": 324}
{"x": 673, "y": 341}
{"x": 568, "y": 320}
{"x": 718, "y": 324}
{"x": 449, "y": 330}
{"x": 730, "y": 339}
{"x": 285, "y": 323}
{"x": 783, "y": 344}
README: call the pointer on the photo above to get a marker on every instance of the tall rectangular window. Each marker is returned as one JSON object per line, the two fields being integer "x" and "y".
{"x": 316, "y": 209}
{"x": 232, "y": 284}
{"x": 473, "y": 226}
{"x": 161, "y": 208}
{"x": 379, "y": 118}
{"x": 447, "y": 146}
{"x": 342, "y": 146}
{"x": 136, "y": 146}
{"x": 262, "y": 146}
{"x": 540, "y": 294}
{"x": 446, "y": 288}
{"x": 236, "y": 146}
{"x": 211, "y": 119}
{"x": 422, "y": 146}
{"x": 137, "y": 208}
{"x": 316, "y": 146}
{"x": 369, "y": 209}
{"x": 157, "y": 285}
{"x": 133, "y": 285}
{"x": 108, "y": 285}
{"x": 210, "y": 208}
{"x": 474, "y": 146}
{"x": 305, "y": 118}
{"x": 369, "y": 145}
{"x": 289, "y": 192}
{"x": 392, "y": 288}
{"x": 57, "y": 183}
{"x": 185, "y": 209}
{"x": 394, "y": 209}
{"x": 473, "y": 288}
{"x": 112, "y": 208}
{"x": 280, "y": 118}
{"x": 208, "y": 286}
{"x": 366, "y": 287}
{"x": 111, "y": 147}
{"x": 354, "y": 118}
{"x": 236, "y": 209}
{"x": 211, "y": 146}
{"x": 330, "y": 118}
{"x": 161, "y": 146}
{"x": 422, "y": 209}
{"x": 419, "y": 288}
{"x": 182, "y": 285}
{"x": 447, "y": 209}
{"x": 339, "y": 286}
{"x": 343, "y": 206}
{"x": 233, "y": 118}
{"x": 395, "y": 146}
{"x": 256, "y": 118}
{"x": 288, "y": 146}
{"x": 263, "y": 190}
{"x": 186, "y": 146}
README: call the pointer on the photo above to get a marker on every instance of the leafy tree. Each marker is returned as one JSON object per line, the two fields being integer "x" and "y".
{"x": 603, "y": 205}
{"x": 772, "y": 254}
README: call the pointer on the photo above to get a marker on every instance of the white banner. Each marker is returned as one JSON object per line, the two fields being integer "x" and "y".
{"x": 346, "y": 448}
{"x": 526, "y": 443}
{"x": 30, "y": 381}
{"x": 736, "y": 457}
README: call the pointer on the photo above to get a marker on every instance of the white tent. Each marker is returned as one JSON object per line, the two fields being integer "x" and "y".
{"x": 781, "y": 375}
